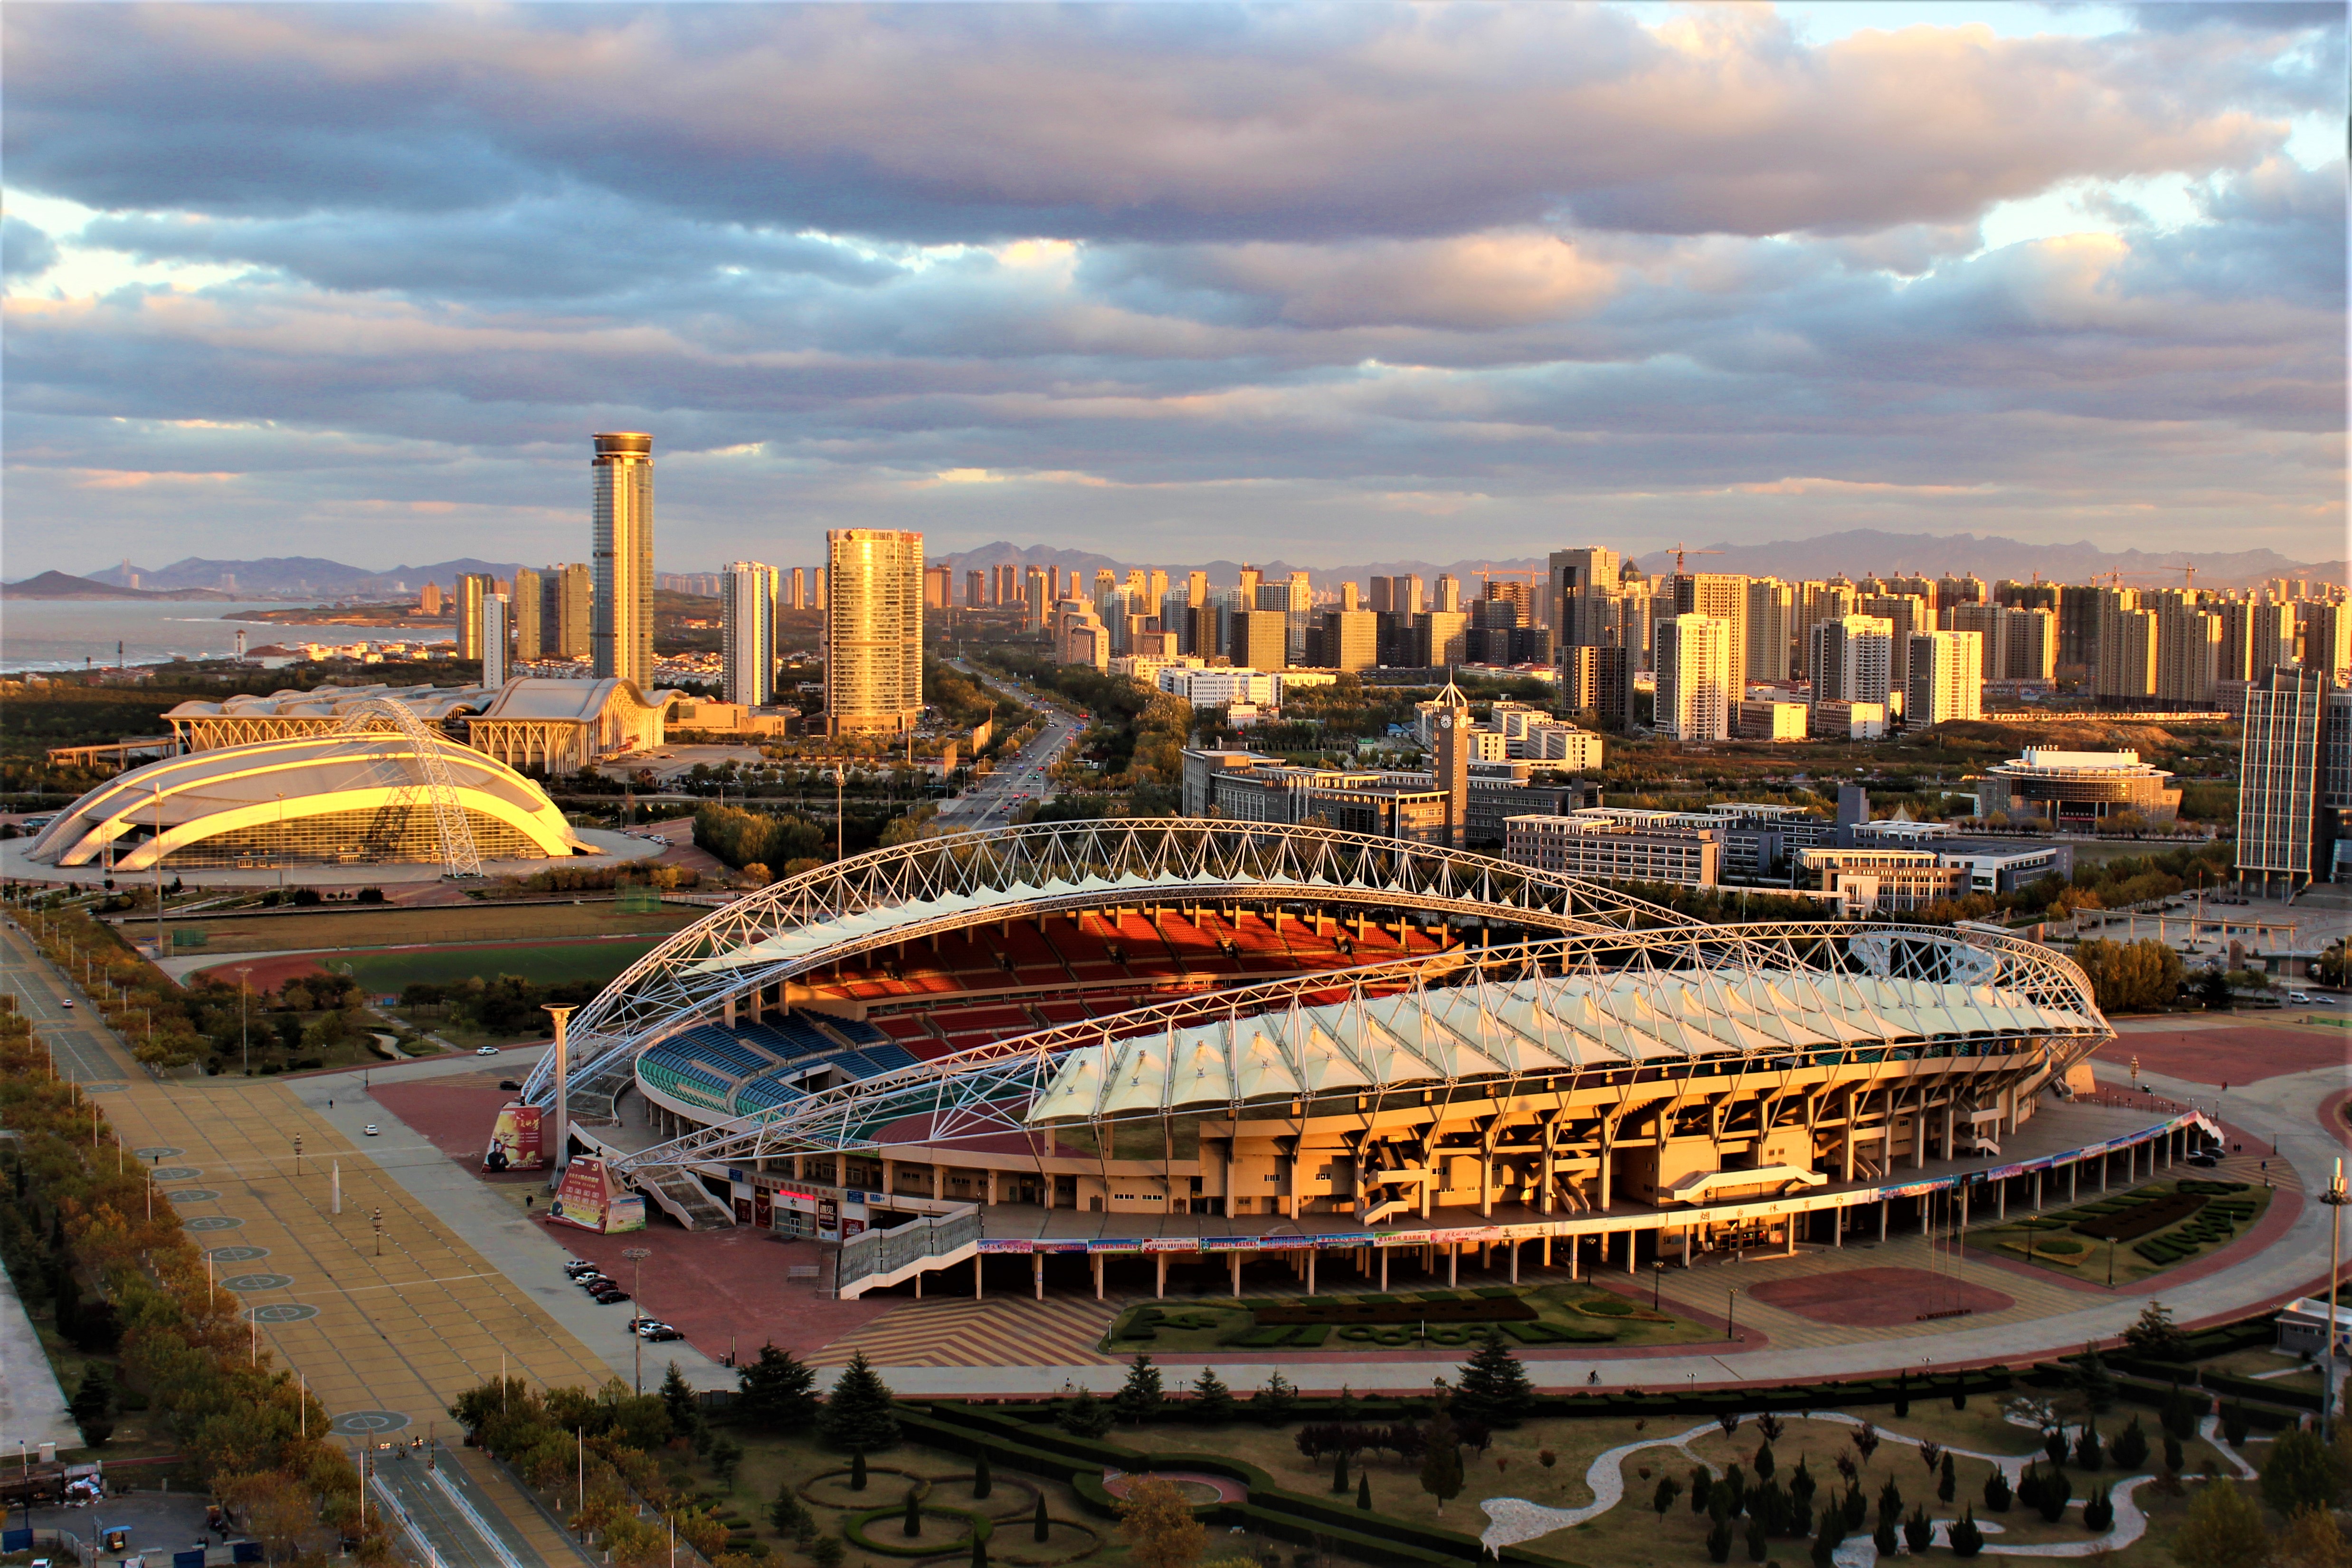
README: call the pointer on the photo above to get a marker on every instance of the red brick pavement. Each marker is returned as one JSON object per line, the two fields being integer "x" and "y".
{"x": 1876, "y": 1298}
{"x": 2228, "y": 1054}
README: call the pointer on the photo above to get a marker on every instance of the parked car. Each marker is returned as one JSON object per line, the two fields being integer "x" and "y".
{"x": 69, "y": 1001}
{"x": 507, "y": 1083}
{"x": 658, "y": 1331}
{"x": 371, "y": 1130}
{"x": 608, "y": 1297}
{"x": 486, "y": 1051}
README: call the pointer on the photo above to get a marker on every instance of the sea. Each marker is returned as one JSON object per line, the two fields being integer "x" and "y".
{"x": 49, "y": 635}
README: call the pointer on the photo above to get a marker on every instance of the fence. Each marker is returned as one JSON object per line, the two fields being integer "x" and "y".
{"x": 888, "y": 1251}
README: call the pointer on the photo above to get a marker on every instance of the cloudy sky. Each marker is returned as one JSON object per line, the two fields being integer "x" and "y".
{"x": 1170, "y": 282}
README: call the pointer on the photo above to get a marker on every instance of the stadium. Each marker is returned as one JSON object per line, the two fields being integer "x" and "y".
{"x": 1178, "y": 1036}
{"x": 371, "y": 784}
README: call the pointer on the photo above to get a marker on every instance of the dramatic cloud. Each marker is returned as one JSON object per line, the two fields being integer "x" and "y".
{"x": 1169, "y": 282}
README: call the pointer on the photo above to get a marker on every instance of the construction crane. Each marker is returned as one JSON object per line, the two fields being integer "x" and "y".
{"x": 1681, "y": 549}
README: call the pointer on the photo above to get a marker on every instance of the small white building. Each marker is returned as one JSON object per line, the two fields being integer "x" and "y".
{"x": 2303, "y": 1327}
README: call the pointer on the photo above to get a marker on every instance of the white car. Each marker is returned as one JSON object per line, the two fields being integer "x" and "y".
{"x": 69, "y": 1001}
{"x": 486, "y": 1051}
{"x": 2298, "y": 998}
{"x": 371, "y": 1130}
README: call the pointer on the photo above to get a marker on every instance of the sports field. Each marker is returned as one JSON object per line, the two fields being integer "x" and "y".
{"x": 463, "y": 922}
{"x": 548, "y": 963}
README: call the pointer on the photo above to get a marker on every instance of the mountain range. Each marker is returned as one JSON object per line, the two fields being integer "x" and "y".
{"x": 62, "y": 585}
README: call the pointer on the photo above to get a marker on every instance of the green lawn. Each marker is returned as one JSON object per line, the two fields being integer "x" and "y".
{"x": 1566, "y": 1315}
{"x": 552, "y": 964}
{"x": 2058, "y": 1248}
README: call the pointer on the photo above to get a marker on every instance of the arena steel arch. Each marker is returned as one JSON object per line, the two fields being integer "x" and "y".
{"x": 932, "y": 885}
{"x": 1654, "y": 1009}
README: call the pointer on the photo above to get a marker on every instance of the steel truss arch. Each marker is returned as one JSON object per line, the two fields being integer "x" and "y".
{"x": 434, "y": 782}
{"x": 991, "y": 1090}
{"x": 959, "y": 880}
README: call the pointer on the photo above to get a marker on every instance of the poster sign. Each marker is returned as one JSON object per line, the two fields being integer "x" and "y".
{"x": 624, "y": 1211}
{"x": 580, "y": 1199}
{"x": 515, "y": 1141}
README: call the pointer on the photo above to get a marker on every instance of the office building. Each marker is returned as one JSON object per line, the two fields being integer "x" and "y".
{"x": 1351, "y": 639}
{"x": 747, "y": 621}
{"x": 1440, "y": 639}
{"x": 1946, "y": 680}
{"x": 1583, "y": 845}
{"x": 1583, "y": 589}
{"x": 2285, "y": 833}
{"x": 1765, "y": 719}
{"x": 622, "y": 558}
{"x": 495, "y": 634}
{"x": 565, "y": 611}
{"x": 1698, "y": 685}
{"x": 1259, "y": 638}
{"x": 873, "y": 630}
{"x": 1879, "y": 881}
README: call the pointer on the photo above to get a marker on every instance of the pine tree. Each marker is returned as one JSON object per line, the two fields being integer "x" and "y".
{"x": 1139, "y": 1398}
{"x": 677, "y": 1397}
{"x": 1902, "y": 1395}
{"x": 93, "y": 1406}
{"x": 857, "y": 1471}
{"x": 1759, "y": 1544}
{"x": 787, "y": 1514}
{"x": 1832, "y": 1536}
{"x": 1664, "y": 1497}
{"x": 2155, "y": 1337}
{"x": 1441, "y": 1461}
{"x": 1718, "y": 1541}
{"x": 1040, "y": 1527}
{"x": 1997, "y": 1493}
{"x": 1966, "y": 1538}
{"x": 1275, "y": 1400}
{"x": 983, "y": 1480}
{"x": 2089, "y": 1454}
{"x": 1947, "y": 1482}
{"x": 1494, "y": 1387}
{"x": 1339, "y": 1482}
{"x": 979, "y": 1549}
{"x": 1086, "y": 1417}
{"x": 777, "y": 1393}
{"x": 2130, "y": 1446}
{"x": 858, "y": 1416}
{"x": 913, "y": 1526}
{"x": 1702, "y": 1481}
{"x": 1364, "y": 1491}
{"x": 1764, "y": 1461}
{"x": 1212, "y": 1400}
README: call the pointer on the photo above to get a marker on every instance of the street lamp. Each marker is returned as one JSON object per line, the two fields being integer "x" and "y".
{"x": 243, "y": 1038}
{"x": 637, "y": 1256}
{"x": 2335, "y": 1197}
{"x": 1730, "y": 1307}
{"x": 1657, "y": 1277}
{"x": 838, "y": 784}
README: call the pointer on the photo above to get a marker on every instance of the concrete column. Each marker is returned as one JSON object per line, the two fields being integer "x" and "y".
{"x": 1515, "y": 1261}
{"x": 1947, "y": 1132}
{"x": 1234, "y": 1260}
{"x": 1575, "y": 1252}
{"x": 1384, "y": 1270}
{"x": 1098, "y": 1262}
{"x": 729, "y": 1008}
{"x": 1485, "y": 1186}
{"x": 2105, "y": 1164}
{"x": 1923, "y": 1214}
{"x": 1037, "y": 1274}
{"x": 1920, "y": 1134}
{"x": 1454, "y": 1264}
{"x": 1886, "y": 1207}
{"x": 1687, "y": 1245}
{"x": 919, "y": 1284}
{"x": 2073, "y": 1179}
{"x": 1310, "y": 1272}
{"x": 1160, "y": 1291}
{"x": 1789, "y": 1230}
{"x": 1630, "y": 1236}
{"x": 977, "y": 1262}
{"x": 2001, "y": 1202}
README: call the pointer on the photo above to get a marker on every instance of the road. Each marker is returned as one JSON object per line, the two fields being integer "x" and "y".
{"x": 991, "y": 801}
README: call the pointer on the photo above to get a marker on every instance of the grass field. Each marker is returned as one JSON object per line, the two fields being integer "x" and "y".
{"x": 390, "y": 928}
{"x": 549, "y": 964}
{"x": 2057, "y": 1249}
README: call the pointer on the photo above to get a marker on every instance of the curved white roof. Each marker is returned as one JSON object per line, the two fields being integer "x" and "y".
{"x": 1541, "y": 1026}
{"x": 531, "y": 698}
{"x": 206, "y": 793}
{"x": 430, "y": 703}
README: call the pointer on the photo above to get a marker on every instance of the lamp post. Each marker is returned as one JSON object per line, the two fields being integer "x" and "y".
{"x": 2335, "y": 1197}
{"x": 637, "y": 1256}
{"x": 1730, "y": 1310}
{"x": 839, "y": 783}
{"x": 244, "y": 1036}
{"x": 562, "y": 1014}
{"x": 1658, "y": 1278}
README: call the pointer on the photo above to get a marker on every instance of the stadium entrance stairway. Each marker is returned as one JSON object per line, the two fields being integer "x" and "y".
{"x": 685, "y": 1199}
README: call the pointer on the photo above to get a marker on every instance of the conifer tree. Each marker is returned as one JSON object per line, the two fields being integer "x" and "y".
{"x": 776, "y": 1393}
{"x": 1139, "y": 1398}
{"x": 858, "y": 1416}
{"x": 1212, "y": 1400}
{"x": 1494, "y": 1388}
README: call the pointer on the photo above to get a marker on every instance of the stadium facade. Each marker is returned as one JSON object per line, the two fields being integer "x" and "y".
{"x": 1173, "y": 1036}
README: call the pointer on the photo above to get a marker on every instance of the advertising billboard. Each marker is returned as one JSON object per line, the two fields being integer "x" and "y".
{"x": 515, "y": 1144}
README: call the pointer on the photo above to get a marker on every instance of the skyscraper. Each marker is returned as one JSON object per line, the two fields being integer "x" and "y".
{"x": 474, "y": 591}
{"x": 1697, "y": 689}
{"x": 1722, "y": 596}
{"x": 747, "y": 620}
{"x": 1584, "y": 593}
{"x": 1261, "y": 639}
{"x": 873, "y": 629}
{"x": 796, "y": 589}
{"x": 1852, "y": 659}
{"x": 621, "y": 554}
{"x": 975, "y": 589}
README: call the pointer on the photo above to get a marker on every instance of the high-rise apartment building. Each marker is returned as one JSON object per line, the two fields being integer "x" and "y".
{"x": 2283, "y": 834}
{"x": 2188, "y": 650}
{"x": 1772, "y": 628}
{"x": 2128, "y": 645}
{"x": 565, "y": 610}
{"x": 2327, "y": 638}
{"x": 2029, "y": 645}
{"x": 1722, "y": 596}
{"x": 793, "y": 589}
{"x": 1196, "y": 589}
{"x": 1906, "y": 612}
{"x": 975, "y": 589}
{"x": 621, "y": 554}
{"x": 874, "y": 630}
{"x": 1352, "y": 639}
{"x": 1035, "y": 600}
{"x": 747, "y": 621}
{"x": 938, "y": 587}
{"x": 1852, "y": 659}
{"x": 526, "y": 608}
{"x": 1697, "y": 677}
{"x": 1816, "y": 602}
{"x": 1448, "y": 598}
{"x": 496, "y": 631}
{"x": 1441, "y": 638}
{"x": 1945, "y": 678}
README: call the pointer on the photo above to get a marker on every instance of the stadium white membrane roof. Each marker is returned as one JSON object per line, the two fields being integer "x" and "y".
{"x": 525, "y": 697}
{"x": 1577, "y": 1023}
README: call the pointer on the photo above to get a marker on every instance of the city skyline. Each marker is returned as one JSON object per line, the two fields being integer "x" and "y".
{"x": 1523, "y": 279}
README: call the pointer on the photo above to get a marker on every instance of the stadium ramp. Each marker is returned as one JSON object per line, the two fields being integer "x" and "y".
{"x": 683, "y": 1198}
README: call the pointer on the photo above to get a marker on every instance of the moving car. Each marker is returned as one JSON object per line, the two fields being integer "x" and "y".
{"x": 511, "y": 1085}
{"x": 486, "y": 1051}
{"x": 371, "y": 1130}
{"x": 69, "y": 1001}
